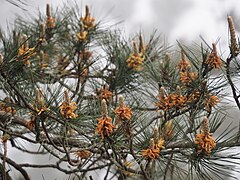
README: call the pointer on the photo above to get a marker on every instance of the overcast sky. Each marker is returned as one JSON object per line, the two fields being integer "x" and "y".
{"x": 181, "y": 20}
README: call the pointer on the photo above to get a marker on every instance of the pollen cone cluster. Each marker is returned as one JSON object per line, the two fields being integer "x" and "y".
{"x": 172, "y": 100}
{"x": 186, "y": 76}
{"x": 104, "y": 93}
{"x": 214, "y": 61}
{"x": 135, "y": 61}
{"x": 24, "y": 52}
{"x": 156, "y": 145}
{"x": 104, "y": 126}
{"x": 204, "y": 141}
{"x": 67, "y": 108}
{"x": 87, "y": 23}
{"x": 123, "y": 112}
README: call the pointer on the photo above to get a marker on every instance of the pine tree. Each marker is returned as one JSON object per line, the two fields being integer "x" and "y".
{"x": 130, "y": 108}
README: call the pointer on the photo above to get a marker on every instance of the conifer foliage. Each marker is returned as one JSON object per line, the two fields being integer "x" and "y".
{"x": 129, "y": 108}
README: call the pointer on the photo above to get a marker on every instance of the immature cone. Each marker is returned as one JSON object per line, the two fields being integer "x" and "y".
{"x": 155, "y": 135}
{"x": 167, "y": 57}
{"x": 24, "y": 40}
{"x": 168, "y": 130}
{"x": 214, "y": 49}
{"x": 104, "y": 107}
{"x": 15, "y": 36}
{"x": 50, "y": 23}
{"x": 42, "y": 31}
{"x": 152, "y": 143}
{"x": 162, "y": 92}
{"x": 135, "y": 47}
{"x": 205, "y": 126}
{"x": 48, "y": 10}
{"x": 39, "y": 97}
{"x": 87, "y": 11}
{"x": 1, "y": 59}
{"x": 44, "y": 59}
{"x": 121, "y": 101}
{"x": 234, "y": 45}
{"x": 141, "y": 44}
{"x": 179, "y": 91}
{"x": 183, "y": 56}
{"x": 67, "y": 99}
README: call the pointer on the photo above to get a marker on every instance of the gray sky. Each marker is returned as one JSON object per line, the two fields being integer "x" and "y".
{"x": 182, "y": 20}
